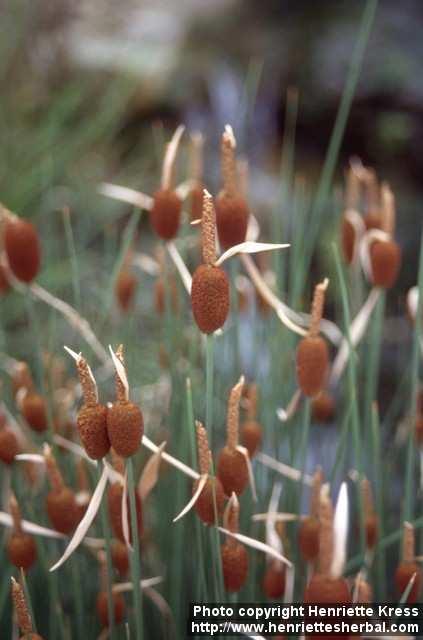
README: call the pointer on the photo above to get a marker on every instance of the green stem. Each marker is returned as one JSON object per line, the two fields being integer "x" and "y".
{"x": 134, "y": 555}
{"x": 209, "y": 386}
{"x": 104, "y": 515}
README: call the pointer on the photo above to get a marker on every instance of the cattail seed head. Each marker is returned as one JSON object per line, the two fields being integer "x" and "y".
{"x": 323, "y": 407}
{"x": 251, "y": 436}
{"x": 232, "y": 471}
{"x": 205, "y": 505}
{"x": 323, "y": 589}
{"x": 165, "y": 215}
{"x": 9, "y": 445}
{"x": 22, "y": 246}
{"x": 348, "y": 239}
{"x": 4, "y": 282}
{"x": 114, "y": 499}
{"x": 103, "y": 610}
{"x": 120, "y": 557}
{"x": 210, "y": 297}
{"x": 62, "y": 510}
{"x": 34, "y": 411}
{"x": 274, "y": 580}
{"x": 160, "y": 295}
{"x": 234, "y": 565}
{"x": 125, "y": 288}
{"x": 403, "y": 574}
{"x": 371, "y": 525}
{"x": 385, "y": 257}
{"x": 308, "y": 538}
{"x": 22, "y": 612}
{"x": 312, "y": 361}
{"x": 21, "y": 550}
{"x": 92, "y": 428}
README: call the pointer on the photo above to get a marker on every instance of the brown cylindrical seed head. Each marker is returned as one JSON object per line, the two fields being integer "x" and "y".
{"x": 403, "y": 575}
{"x": 312, "y": 361}
{"x": 21, "y": 550}
{"x": 308, "y": 538}
{"x": 208, "y": 230}
{"x": 125, "y": 287}
{"x": 92, "y": 428}
{"x": 232, "y": 420}
{"x": 120, "y": 557}
{"x": 231, "y": 219}
{"x": 62, "y": 509}
{"x": 385, "y": 257}
{"x": 323, "y": 407}
{"x": 234, "y": 565}
{"x": 371, "y": 525}
{"x": 232, "y": 471}
{"x": 322, "y": 589}
{"x": 125, "y": 427}
{"x": 274, "y": 580}
{"x": 166, "y": 213}
{"x": 21, "y": 608}
{"x": 160, "y": 295}
{"x": 210, "y": 298}
{"x": 205, "y": 505}
{"x": 22, "y": 248}
{"x": 326, "y": 538}
{"x": 34, "y": 411}
{"x": 251, "y": 436}
{"x": 114, "y": 499}
{"x": 103, "y": 610}
{"x": 4, "y": 282}
{"x": 9, "y": 445}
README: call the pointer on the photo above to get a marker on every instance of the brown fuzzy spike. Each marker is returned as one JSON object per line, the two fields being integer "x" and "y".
{"x": 274, "y": 580}
{"x": 103, "y": 610}
{"x": 308, "y": 538}
{"x": 322, "y": 589}
{"x": 251, "y": 436}
{"x": 210, "y": 298}
{"x": 9, "y": 445}
{"x": 208, "y": 230}
{"x": 232, "y": 471}
{"x": 165, "y": 215}
{"x": 232, "y": 423}
{"x": 205, "y": 505}
{"x": 125, "y": 288}
{"x": 92, "y": 428}
{"x": 234, "y": 565}
{"x": 21, "y": 608}
{"x": 312, "y": 365}
{"x": 62, "y": 510}
{"x": 385, "y": 257}
{"x": 323, "y": 407}
{"x": 34, "y": 411}
{"x": 204, "y": 453}
{"x": 120, "y": 557}
{"x": 348, "y": 239}
{"x": 22, "y": 246}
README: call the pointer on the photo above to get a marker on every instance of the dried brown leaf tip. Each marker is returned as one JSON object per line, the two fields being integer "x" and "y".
{"x": 61, "y": 504}
{"x": 385, "y": 254}
{"x": 309, "y": 531}
{"x": 234, "y": 554}
{"x": 371, "y": 521}
{"x": 92, "y": 417}
{"x": 22, "y": 246}
{"x": 232, "y": 468}
{"x": 312, "y": 351}
{"x": 251, "y": 430}
{"x": 21, "y": 548}
{"x": 209, "y": 504}
{"x": 23, "y": 615}
{"x": 102, "y": 601}
{"x": 231, "y": 206}
{"x": 210, "y": 284}
{"x": 165, "y": 214}
{"x": 408, "y": 569}
{"x": 125, "y": 423}
{"x": 323, "y": 587}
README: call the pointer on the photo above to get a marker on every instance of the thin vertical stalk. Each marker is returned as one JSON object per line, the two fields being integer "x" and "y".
{"x": 134, "y": 555}
{"x": 209, "y": 386}
{"x": 104, "y": 516}
{"x": 73, "y": 258}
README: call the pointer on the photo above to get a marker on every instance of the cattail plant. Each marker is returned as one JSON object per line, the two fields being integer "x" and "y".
{"x": 166, "y": 210}
{"x": 83, "y": 495}
{"x": 352, "y": 226}
{"x": 309, "y": 530}
{"x": 408, "y": 569}
{"x": 274, "y": 580}
{"x": 210, "y": 284}
{"x": 384, "y": 252}
{"x": 232, "y": 464}
{"x": 234, "y": 554}
{"x": 30, "y": 403}
{"x": 4, "y": 281}
{"x": 102, "y": 601}
{"x": 312, "y": 351}
{"x": 209, "y": 504}
{"x": 126, "y": 284}
{"x": 120, "y": 557}
{"x": 327, "y": 586}
{"x": 92, "y": 416}
{"x": 251, "y": 430}
{"x": 23, "y": 615}
{"x": 231, "y": 206}
{"x": 21, "y": 245}
{"x": 373, "y": 215}
{"x": 9, "y": 445}
{"x": 21, "y": 547}
{"x": 125, "y": 423}
{"x": 371, "y": 521}
{"x": 61, "y": 504}
{"x": 323, "y": 407}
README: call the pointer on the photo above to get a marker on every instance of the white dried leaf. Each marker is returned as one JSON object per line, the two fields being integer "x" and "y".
{"x": 285, "y": 414}
{"x": 256, "y": 544}
{"x": 30, "y": 527}
{"x": 191, "y": 503}
{"x": 340, "y": 526}
{"x": 124, "y": 194}
{"x": 284, "y": 469}
{"x": 180, "y": 266}
{"x": 244, "y": 452}
{"x": 249, "y": 247}
{"x": 148, "y": 444}
{"x": 124, "y": 512}
{"x": 150, "y": 473}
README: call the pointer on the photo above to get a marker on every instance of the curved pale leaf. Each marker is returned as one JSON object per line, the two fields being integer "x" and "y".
{"x": 191, "y": 503}
{"x": 249, "y": 247}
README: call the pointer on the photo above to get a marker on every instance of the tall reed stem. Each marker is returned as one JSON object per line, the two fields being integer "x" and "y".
{"x": 134, "y": 555}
